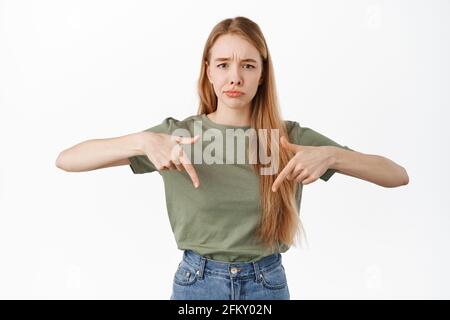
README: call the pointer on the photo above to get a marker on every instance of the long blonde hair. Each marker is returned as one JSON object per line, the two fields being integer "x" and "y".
{"x": 280, "y": 221}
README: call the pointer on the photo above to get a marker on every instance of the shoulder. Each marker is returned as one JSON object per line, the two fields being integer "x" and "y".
{"x": 186, "y": 123}
{"x": 303, "y": 135}
{"x": 169, "y": 124}
{"x": 293, "y": 130}
{"x": 307, "y": 136}
{"x": 291, "y": 125}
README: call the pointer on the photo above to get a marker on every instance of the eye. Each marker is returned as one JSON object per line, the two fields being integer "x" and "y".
{"x": 220, "y": 65}
{"x": 251, "y": 66}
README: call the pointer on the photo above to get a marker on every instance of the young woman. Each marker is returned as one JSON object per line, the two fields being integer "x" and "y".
{"x": 233, "y": 216}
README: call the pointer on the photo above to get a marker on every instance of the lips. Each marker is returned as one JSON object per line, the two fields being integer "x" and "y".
{"x": 234, "y": 93}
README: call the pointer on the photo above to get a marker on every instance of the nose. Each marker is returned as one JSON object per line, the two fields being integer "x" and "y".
{"x": 235, "y": 76}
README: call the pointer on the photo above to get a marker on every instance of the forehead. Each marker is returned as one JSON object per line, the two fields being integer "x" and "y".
{"x": 235, "y": 47}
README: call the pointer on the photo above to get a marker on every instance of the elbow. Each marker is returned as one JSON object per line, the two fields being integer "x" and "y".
{"x": 405, "y": 177}
{"x": 60, "y": 163}
{"x": 401, "y": 180}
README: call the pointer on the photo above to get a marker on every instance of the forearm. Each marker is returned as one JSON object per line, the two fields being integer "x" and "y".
{"x": 96, "y": 153}
{"x": 373, "y": 168}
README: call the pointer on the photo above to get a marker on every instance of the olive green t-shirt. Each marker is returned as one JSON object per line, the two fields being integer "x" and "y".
{"x": 219, "y": 219}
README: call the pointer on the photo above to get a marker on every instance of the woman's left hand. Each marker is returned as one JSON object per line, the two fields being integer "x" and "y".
{"x": 308, "y": 164}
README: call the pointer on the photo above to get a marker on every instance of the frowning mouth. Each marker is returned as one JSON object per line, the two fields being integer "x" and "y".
{"x": 233, "y": 93}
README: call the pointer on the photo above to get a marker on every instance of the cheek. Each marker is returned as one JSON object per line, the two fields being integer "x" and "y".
{"x": 253, "y": 83}
{"x": 253, "y": 79}
{"x": 217, "y": 79}
{"x": 218, "y": 85}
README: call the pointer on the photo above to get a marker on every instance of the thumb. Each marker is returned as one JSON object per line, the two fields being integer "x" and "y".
{"x": 187, "y": 140}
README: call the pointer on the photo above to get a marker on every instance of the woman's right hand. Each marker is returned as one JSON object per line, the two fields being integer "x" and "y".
{"x": 165, "y": 152}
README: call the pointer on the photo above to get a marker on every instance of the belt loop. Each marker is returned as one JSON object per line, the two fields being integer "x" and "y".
{"x": 257, "y": 271}
{"x": 201, "y": 267}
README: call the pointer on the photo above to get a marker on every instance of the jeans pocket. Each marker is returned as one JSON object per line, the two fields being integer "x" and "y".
{"x": 185, "y": 275}
{"x": 274, "y": 278}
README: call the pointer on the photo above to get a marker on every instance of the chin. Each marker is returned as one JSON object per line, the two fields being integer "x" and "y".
{"x": 235, "y": 103}
{"x": 236, "y": 106}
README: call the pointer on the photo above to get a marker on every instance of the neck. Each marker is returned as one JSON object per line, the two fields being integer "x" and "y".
{"x": 231, "y": 117}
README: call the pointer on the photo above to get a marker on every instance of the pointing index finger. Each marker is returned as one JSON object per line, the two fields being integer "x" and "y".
{"x": 190, "y": 170}
{"x": 282, "y": 175}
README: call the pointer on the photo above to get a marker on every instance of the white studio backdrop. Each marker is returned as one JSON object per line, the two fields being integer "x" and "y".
{"x": 373, "y": 75}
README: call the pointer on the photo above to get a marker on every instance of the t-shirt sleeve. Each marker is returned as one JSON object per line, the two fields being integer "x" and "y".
{"x": 141, "y": 163}
{"x": 308, "y": 137}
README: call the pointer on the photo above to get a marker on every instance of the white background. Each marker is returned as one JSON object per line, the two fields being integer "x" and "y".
{"x": 373, "y": 75}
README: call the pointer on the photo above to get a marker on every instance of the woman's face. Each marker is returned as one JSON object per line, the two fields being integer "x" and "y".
{"x": 234, "y": 64}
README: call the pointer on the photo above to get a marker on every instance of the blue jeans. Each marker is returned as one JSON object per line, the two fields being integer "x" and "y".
{"x": 200, "y": 278}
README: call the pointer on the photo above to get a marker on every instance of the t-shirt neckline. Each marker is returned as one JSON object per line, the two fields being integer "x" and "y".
{"x": 221, "y": 126}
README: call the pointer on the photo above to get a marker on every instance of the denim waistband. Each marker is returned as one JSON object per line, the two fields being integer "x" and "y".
{"x": 241, "y": 269}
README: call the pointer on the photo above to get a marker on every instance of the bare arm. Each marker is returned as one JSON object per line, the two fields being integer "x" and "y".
{"x": 373, "y": 168}
{"x": 101, "y": 153}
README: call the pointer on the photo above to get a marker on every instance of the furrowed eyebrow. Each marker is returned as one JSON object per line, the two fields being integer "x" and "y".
{"x": 227, "y": 59}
